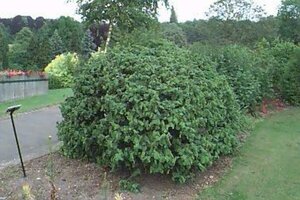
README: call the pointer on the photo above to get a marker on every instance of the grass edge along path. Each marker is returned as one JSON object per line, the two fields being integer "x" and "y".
{"x": 267, "y": 166}
{"x": 53, "y": 97}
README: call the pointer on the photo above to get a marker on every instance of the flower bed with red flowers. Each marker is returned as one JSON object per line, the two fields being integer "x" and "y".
{"x": 13, "y": 73}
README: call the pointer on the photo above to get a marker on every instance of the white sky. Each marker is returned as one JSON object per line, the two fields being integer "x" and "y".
{"x": 185, "y": 9}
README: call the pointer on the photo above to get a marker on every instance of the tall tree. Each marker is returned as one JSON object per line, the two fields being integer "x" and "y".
{"x": 71, "y": 33}
{"x": 18, "y": 53}
{"x": 88, "y": 46}
{"x": 173, "y": 17}
{"x": 40, "y": 48}
{"x": 56, "y": 44}
{"x": 123, "y": 13}
{"x": 39, "y": 51}
{"x": 3, "y": 47}
{"x": 289, "y": 15}
{"x": 235, "y": 10}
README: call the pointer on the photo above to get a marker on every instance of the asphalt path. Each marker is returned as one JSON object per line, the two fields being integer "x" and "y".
{"x": 33, "y": 130}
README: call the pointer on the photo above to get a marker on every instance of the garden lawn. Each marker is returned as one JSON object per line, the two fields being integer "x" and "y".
{"x": 268, "y": 165}
{"x": 53, "y": 97}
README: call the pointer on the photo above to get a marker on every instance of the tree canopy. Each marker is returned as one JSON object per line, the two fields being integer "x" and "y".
{"x": 173, "y": 17}
{"x": 120, "y": 12}
{"x": 235, "y": 10}
{"x": 3, "y": 46}
{"x": 289, "y": 15}
{"x": 18, "y": 53}
{"x": 126, "y": 14}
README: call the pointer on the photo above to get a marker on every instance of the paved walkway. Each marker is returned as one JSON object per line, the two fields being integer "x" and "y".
{"x": 33, "y": 130}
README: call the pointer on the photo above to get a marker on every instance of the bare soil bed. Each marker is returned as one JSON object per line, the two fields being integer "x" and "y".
{"x": 75, "y": 179}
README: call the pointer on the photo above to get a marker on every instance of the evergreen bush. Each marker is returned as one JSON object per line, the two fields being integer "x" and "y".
{"x": 153, "y": 109}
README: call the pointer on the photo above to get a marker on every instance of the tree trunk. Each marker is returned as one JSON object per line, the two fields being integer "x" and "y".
{"x": 108, "y": 37}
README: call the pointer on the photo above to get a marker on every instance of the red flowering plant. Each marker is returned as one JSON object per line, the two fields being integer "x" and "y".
{"x": 12, "y": 73}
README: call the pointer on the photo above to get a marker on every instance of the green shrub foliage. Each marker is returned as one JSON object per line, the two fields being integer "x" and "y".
{"x": 61, "y": 70}
{"x": 150, "y": 108}
{"x": 265, "y": 67}
{"x": 237, "y": 63}
{"x": 291, "y": 80}
{"x": 281, "y": 61}
{"x": 281, "y": 52}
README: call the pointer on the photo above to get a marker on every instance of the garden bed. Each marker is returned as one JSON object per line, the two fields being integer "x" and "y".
{"x": 76, "y": 179}
{"x": 18, "y": 85}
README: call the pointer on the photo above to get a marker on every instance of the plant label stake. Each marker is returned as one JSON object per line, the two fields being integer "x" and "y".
{"x": 11, "y": 111}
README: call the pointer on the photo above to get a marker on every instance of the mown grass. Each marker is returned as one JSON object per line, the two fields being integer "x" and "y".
{"x": 268, "y": 166}
{"x": 53, "y": 97}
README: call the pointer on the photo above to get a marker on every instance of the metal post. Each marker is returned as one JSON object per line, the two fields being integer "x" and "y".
{"x": 11, "y": 111}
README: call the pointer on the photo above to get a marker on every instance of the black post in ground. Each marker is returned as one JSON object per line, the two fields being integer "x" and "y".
{"x": 11, "y": 110}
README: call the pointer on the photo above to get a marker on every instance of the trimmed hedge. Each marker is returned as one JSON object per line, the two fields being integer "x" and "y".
{"x": 150, "y": 108}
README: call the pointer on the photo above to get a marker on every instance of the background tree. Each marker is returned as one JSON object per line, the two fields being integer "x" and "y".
{"x": 174, "y": 33}
{"x": 39, "y": 53}
{"x": 71, "y": 33}
{"x": 124, "y": 14}
{"x": 18, "y": 54}
{"x": 268, "y": 28}
{"x": 3, "y": 47}
{"x": 194, "y": 30}
{"x": 289, "y": 16}
{"x": 56, "y": 44}
{"x": 173, "y": 18}
{"x": 235, "y": 10}
{"x": 99, "y": 32}
{"x": 218, "y": 32}
{"x": 39, "y": 49}
{"x": 88, "y": 46}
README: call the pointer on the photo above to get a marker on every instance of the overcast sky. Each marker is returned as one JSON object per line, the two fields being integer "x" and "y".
{"x": 185, "y": 9}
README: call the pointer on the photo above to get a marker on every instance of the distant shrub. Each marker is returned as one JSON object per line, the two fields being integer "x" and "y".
{"x": 237, "y": 63}
{"x": 291, "y": 79}
{"x": 281, "y": 52}
{"x": 202, "y": 49}
{"x": 150, "y": 108}
{"x": 265, "y": 64}
{"x": 61, "y": 70}
{"x": 174, "y": 33}
{"x": 280, "y": 58}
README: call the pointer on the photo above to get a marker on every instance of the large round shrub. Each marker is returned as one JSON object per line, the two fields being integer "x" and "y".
{"x": 150, "y": 108}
